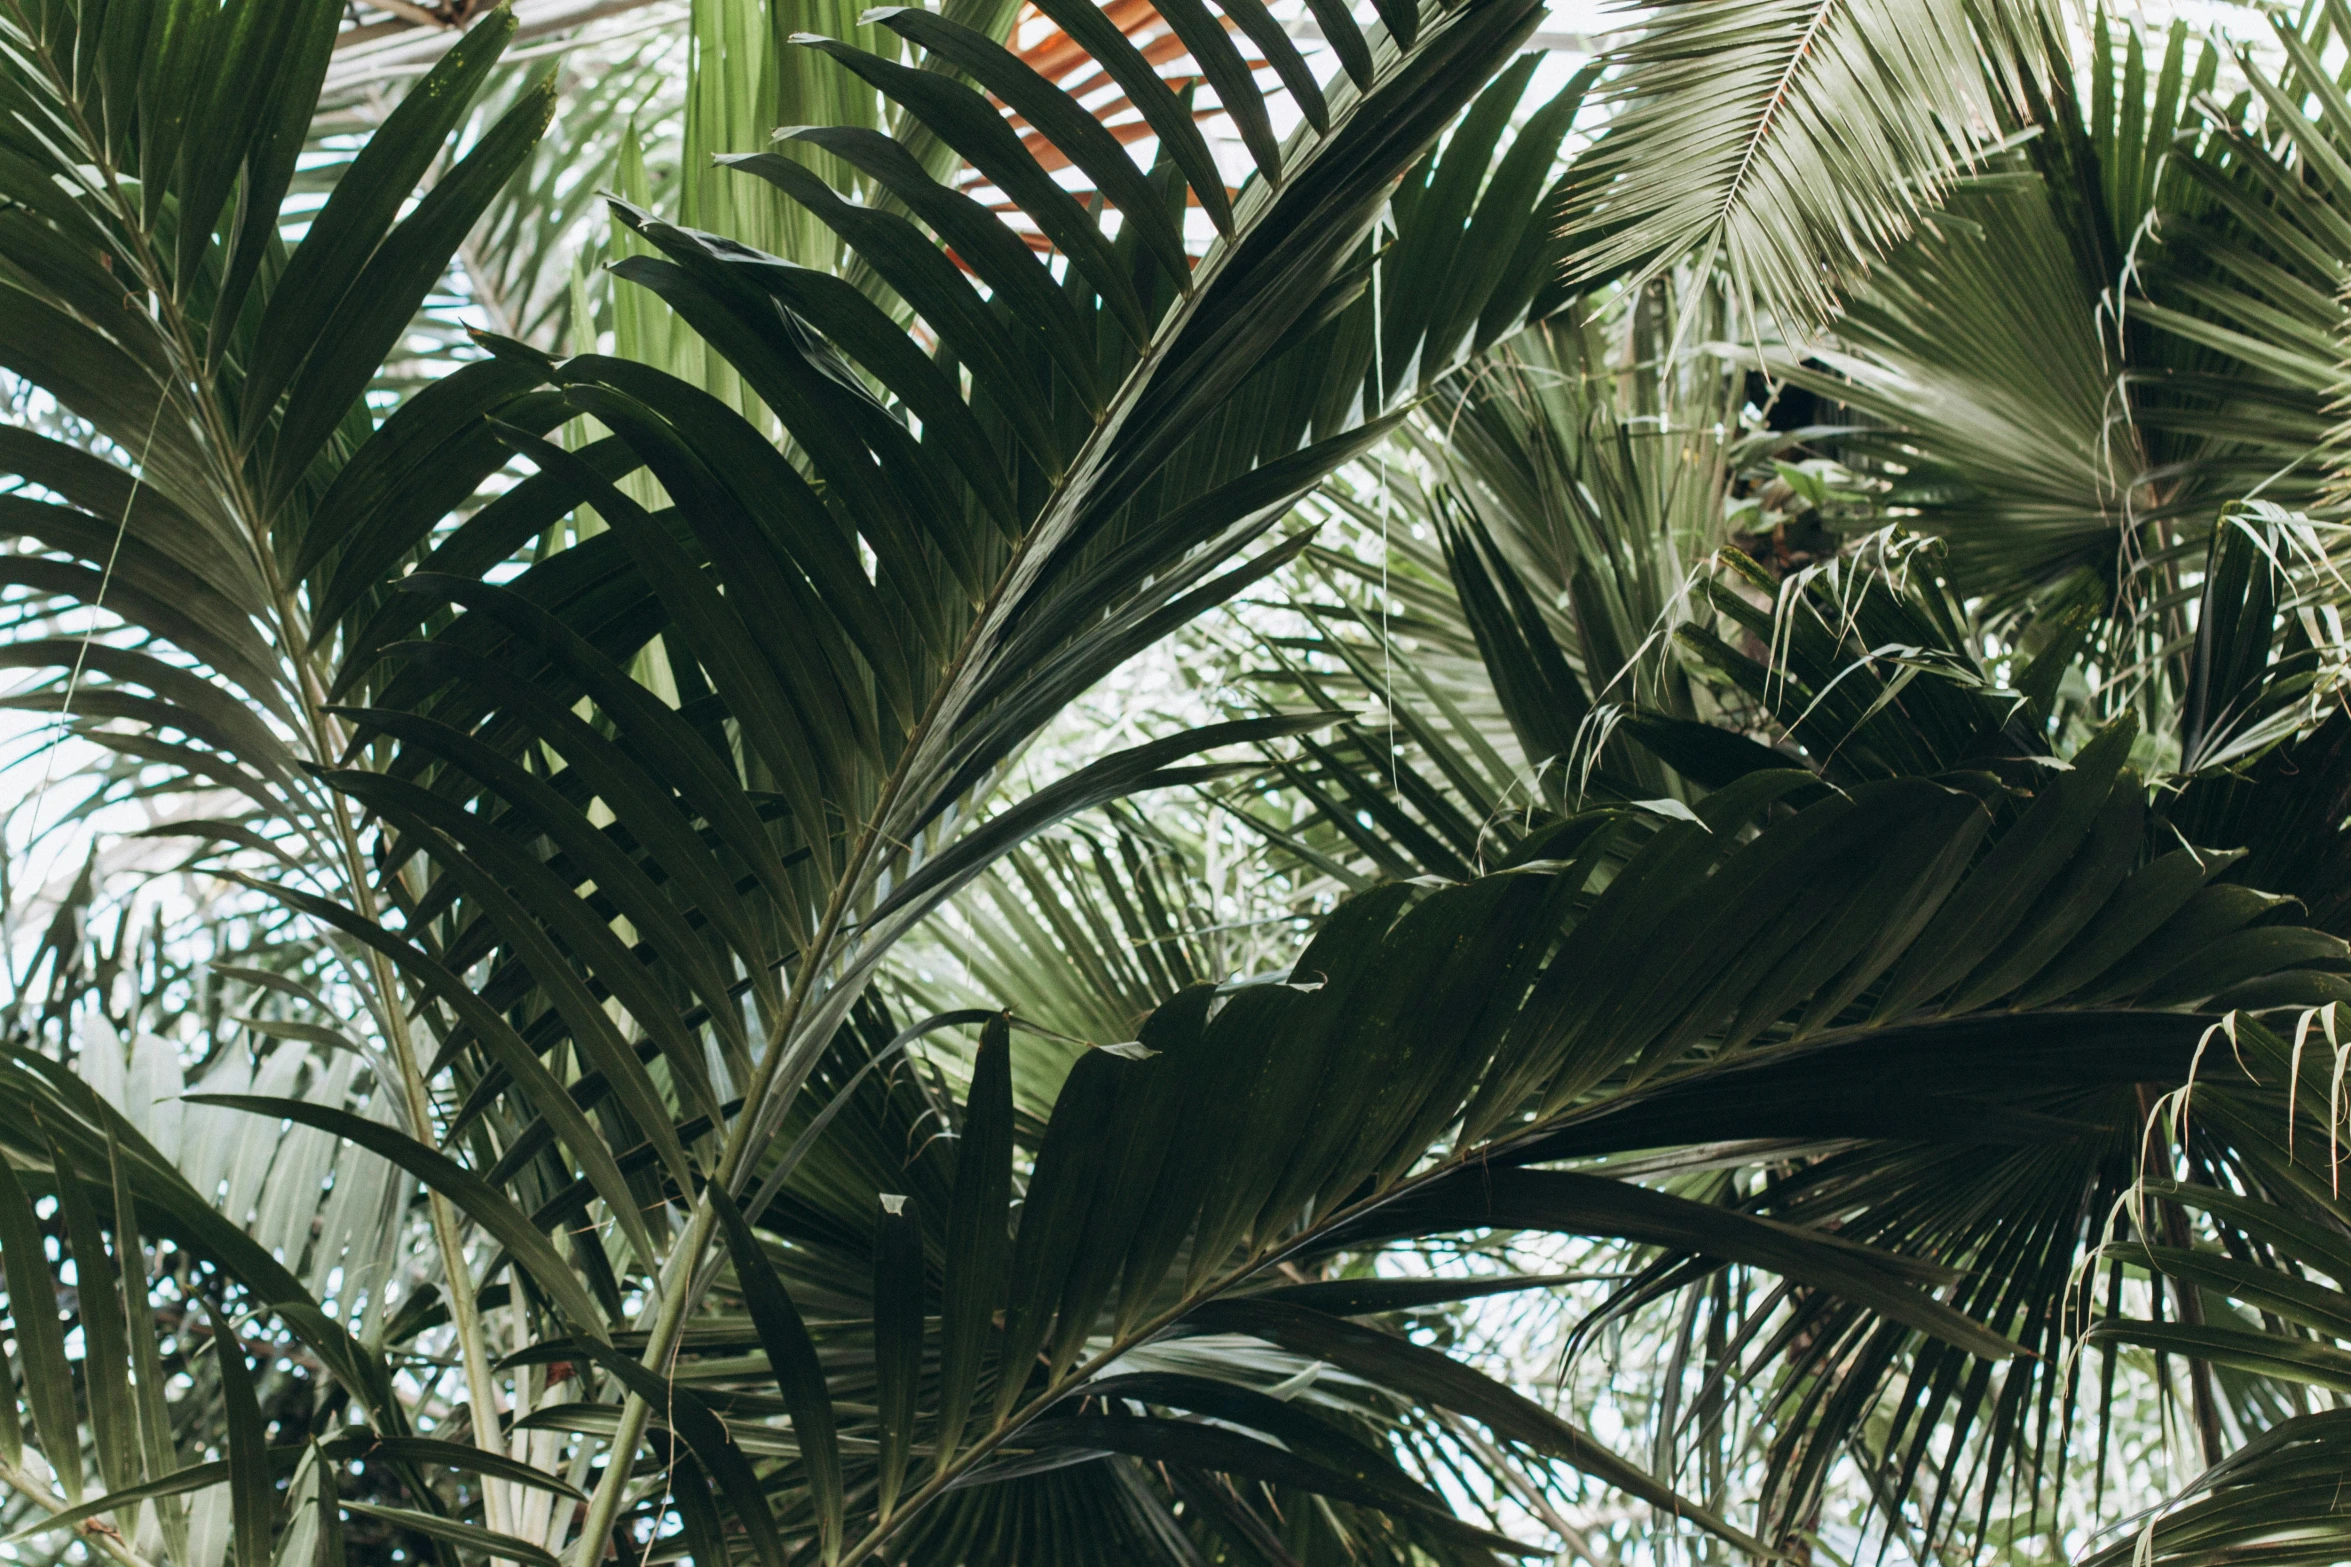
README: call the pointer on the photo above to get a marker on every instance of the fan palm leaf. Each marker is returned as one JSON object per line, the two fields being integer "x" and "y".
{"x": 2094, "y": 349}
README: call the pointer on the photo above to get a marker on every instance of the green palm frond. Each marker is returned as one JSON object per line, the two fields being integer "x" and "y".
{"x": 2245, "y": 285}
{"x": 2013, "y": 438}
{"x": 2096, "y": 346}
{"x": 2255, "y": 1261}
{"x": 677, "y": 901}
{"x": 1794, "y": 143}
{"x": 1870, "y": 667}
{"x": 225, "y": 378}
{"x": 1090, "y": 928}
{"x": 1058, "y": 831}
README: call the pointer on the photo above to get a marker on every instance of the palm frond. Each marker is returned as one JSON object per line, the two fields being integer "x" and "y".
{"x": 2254, "y": 1255}
{"x": 1793, "y": 143}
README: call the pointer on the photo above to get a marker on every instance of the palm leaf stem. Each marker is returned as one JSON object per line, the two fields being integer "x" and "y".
{"x": 94, "y": 1534}
{"x": 1757, "y": 138}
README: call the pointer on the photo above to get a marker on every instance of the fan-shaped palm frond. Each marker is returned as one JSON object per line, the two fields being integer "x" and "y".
{"x": 2241, "y": 280}
{"x": 2091, "y": 351}
{"x": 2014, "y": 440}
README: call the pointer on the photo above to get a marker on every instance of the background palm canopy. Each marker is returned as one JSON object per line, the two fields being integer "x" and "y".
{"x": 1149, "y": 782}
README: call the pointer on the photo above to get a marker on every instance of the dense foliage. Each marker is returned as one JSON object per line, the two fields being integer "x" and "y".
{"x": 1136, "y": 783}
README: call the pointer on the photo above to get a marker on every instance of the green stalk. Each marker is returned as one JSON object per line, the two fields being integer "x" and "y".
{"x": 94, "y": 1534}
